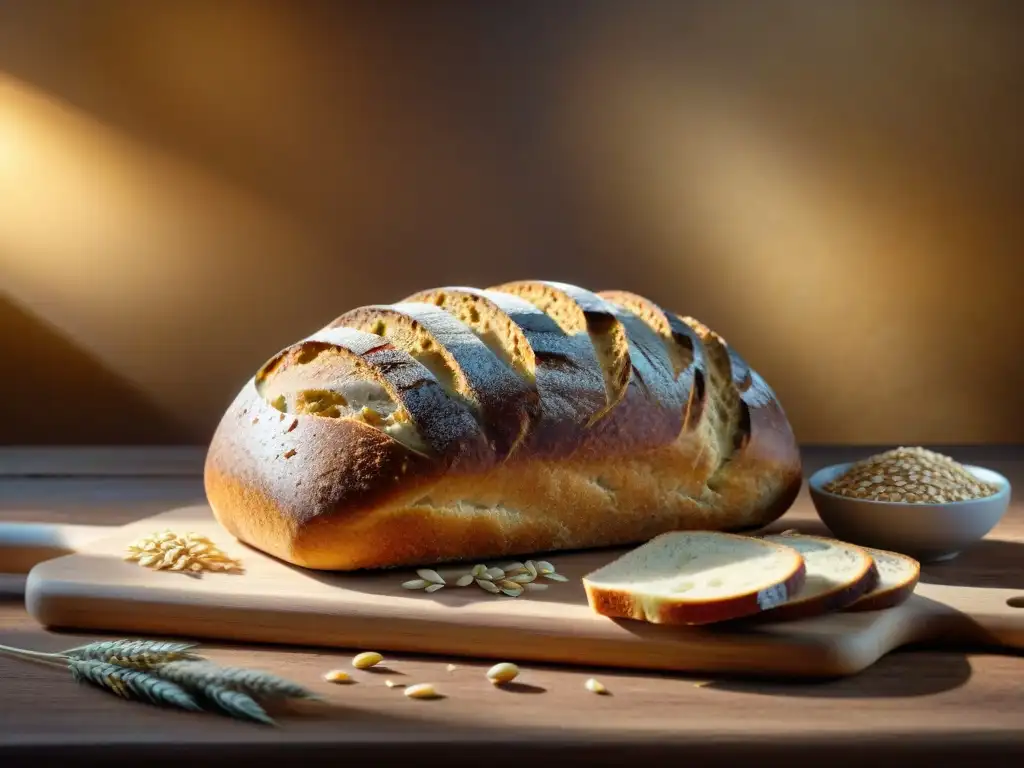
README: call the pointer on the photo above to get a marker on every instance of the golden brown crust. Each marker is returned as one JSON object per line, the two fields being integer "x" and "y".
{"x": 506, "y": 404}
{"x": 889, "y": 597}
{"x": 338, "y": 493}
{"x": 624, "y": 604}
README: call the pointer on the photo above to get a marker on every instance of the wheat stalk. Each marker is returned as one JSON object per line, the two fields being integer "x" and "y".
{"x": 236, "y": 703}
{"x": 193, "y": 674}
{"x": 171, "y": 674}
{"x": 131, "y": 683}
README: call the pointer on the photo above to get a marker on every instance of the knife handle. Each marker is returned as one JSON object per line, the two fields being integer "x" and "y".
{"x": 24, "y": 545}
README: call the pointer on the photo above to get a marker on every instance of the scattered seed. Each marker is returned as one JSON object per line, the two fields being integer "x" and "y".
{"x": 421, "y": 691}
{"x": 479, "y": 571}
{"x": 504, "y": 672}
{"x": 531, "y": 568}
{"x": 545, "y": 567}
{"x": 366, "y": 659}
{"x": 490, "y": 586}
{"x": 522, "y": 578}
{"x": 434, "y": 588}
{"x": 393, "y": 684}
{"x": 512, "y": 592}
{"x": 414, "y": 584}
{"x": 533, "y": 586}
{"x": 451, "y": 667}
{"x": 337, "y": 676}
{"x": 430, "y": 575}
{"x": 513, "y": 567}
{"x": 595, "y": 686}
{"x": 495, "y": 573}
{"x": 555, "y": 577}
{"x": 464, "y": 581}
{"x": 173, "y": 552}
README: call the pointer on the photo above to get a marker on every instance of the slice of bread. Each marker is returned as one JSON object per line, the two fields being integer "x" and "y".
{"x": 837, "y": 574}
{"x": 897, "y": 578}
{"x": 696, "y": 577}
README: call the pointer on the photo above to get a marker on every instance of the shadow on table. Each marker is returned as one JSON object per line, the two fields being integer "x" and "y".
{"x": 901, "y": 674}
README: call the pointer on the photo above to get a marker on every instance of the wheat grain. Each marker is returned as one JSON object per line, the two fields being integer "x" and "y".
{"x": 337, "y": 676}
{"x": 510, "y": 588}
{"x": 421, "y": 691}
{"x": 430, "y": 575}
{"x": 505, "y": 672}
{"x": 366, "y": 659}
{"x": 131, "y": 683}
{"x": 512, "y": 579}
{"x": 393, "y": 684}
{"x": 595, "y": 686}
{"x": 169, "y": 551}
{"x": 489, "y": 586}
{"x": 910, "y": 475}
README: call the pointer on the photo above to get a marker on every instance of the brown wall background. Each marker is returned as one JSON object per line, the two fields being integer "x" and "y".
{"x": 186, "y": 186}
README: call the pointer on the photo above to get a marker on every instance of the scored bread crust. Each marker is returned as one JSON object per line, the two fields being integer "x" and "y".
{"x": 626, "y": 603}
{"x": 420, "y": 473}
{"x": 877, "y": 599}
{"x": 508, "y": 405}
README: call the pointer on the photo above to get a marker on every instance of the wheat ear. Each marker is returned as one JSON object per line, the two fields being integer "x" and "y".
{"x": 131, "y": 683}
{"x": 136, "y": 654}
{"x": 139, "y": 654}
{"x": 169, "y": 673}
{"x": 236, "y": 703}
{"x": 196, "y": 674}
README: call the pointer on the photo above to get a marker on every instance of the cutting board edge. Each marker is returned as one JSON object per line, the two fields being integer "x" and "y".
{"x": 57, "y": 603}
{"x": 54, "y": 598}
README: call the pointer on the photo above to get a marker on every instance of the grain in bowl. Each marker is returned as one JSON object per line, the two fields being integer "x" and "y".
{"x": 910, "y": 476}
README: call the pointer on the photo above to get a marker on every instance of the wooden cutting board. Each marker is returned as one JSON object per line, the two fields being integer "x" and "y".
{"x": 272, "y": 602}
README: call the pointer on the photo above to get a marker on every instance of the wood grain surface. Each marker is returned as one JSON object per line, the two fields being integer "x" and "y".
{"x": 963, "y": 707}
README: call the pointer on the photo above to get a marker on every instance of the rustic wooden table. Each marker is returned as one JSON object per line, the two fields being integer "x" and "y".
{"x": 963, "y": 708}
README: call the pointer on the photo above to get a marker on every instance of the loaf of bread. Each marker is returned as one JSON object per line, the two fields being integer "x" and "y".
{"x": 464, "y": 424}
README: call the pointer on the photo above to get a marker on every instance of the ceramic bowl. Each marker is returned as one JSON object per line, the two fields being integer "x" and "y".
{"x": 926, "y": 532}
